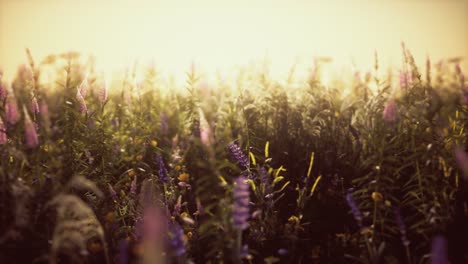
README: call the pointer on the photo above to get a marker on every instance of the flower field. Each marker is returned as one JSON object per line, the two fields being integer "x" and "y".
{"x": 369, "y": 169}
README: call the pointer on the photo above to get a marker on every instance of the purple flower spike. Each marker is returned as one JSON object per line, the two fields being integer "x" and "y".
{"x": 439, "y": 250}
{"x": 240, "y": 211}
{"x": 113, "y": 193}
{"x": 11, "y": 109}
{"x": 401, "y": 226}
{"x": 238, "y": 155}
{"x": 354, "y": 207}
{"x": 177, "y": 240}
{"x": 390, "y": 111}
{"x": 162, "y": 169}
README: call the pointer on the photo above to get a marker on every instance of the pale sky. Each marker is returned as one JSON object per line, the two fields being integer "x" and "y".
{"x": 219, "y": 34}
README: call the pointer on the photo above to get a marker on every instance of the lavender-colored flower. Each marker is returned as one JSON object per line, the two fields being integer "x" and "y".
{"x": 176, "y": 239}
{"x": 206, "y": 136}
{"x": 162, "y": 169}
{"x": 3, "y": 135}
{"x": 354, "y": 207}
{"x": 103, "y": 93}
{"x": 113, "y": 193}
{"x": 390, "y": 111}
{"x": 439, "y": 250}
{"x": 34, "y": 106}
{"x": 11, "y": 109}
{"x": 83, "y": 88}
{"x": 240, "y": 211}
{"x": 401, "y": 226}
{"x": 238, "y": 155}
{"x": 81, "y": 102}
{"x": 30, "y": 133}
{"x": 406, "y": 79}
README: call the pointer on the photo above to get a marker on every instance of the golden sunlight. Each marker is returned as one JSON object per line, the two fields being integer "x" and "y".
{"x": 221, "y": 35}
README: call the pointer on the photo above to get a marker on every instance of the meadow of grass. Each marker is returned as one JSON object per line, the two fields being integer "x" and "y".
{"x": 254, "y": 171}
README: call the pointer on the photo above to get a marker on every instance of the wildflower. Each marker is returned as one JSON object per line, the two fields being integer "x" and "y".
{"x": 240, "y": 210}
{"x": 81, "y": 102}
{"x": 401, "y": 226}
{"x": 113, "y": 193}
{"x": 183, "y": 177}
{"x": 30, "y": 131}
{"x": 176, "y": 240}
{"x": 103, "y": 93}
{"x": 390, "y": 111}
{"x": 162, "y": 169}
{"x": 354, "y": 208}
{"x": 83, "y": 88}
{"x": 154, "y": 143}
{"x": 139, "y": 157}
{"x": 206, "y": 135}
{"x": 11, "y": 109}
{"x": 406, "y": 79}
{"x": 293, "y": 219}
{"x": 3, "y": 135}
{"x": 34, "y": 106}
{"x": 439, "y": 250}
{"x": 237, "y": 155}
{"x": 377, "y": 197}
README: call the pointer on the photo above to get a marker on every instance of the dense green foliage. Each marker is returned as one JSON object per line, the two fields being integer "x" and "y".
{"x": 103, "y": 161}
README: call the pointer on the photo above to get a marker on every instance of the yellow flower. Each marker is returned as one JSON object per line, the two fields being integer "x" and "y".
{"x": 138, "y": 141}
{"x": 293, "y": 219}
{"x": 131, "y": 173}
{"x": 154, "y": 143}
{"x": 189, "y": 235}
{"x": 139, "y": 157}
{"x": 184, "y": 214}
{"x": 377, "y": 197}
{"x": 177, "y": 168}
{"x": 388, "y": 203}
{"x": 183, "y": 177}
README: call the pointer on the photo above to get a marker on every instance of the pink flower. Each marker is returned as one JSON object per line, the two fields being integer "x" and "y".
{"x": 30, "y": 133}
{"x": 83, "y": 88}
{"x": 3, "y": 135}
{"x": 205, "y": 130}
{"x": 390, "y": 111}
{"x": 11, "y": 109}
{"x": 406, "y": 79}
{"x": 103, "y": 93}
{"x": 82, "y": 102}
{"x": 34, "y": 106}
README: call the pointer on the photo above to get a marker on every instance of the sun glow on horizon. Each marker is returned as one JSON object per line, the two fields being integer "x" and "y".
{"x": 224, "y": 35}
